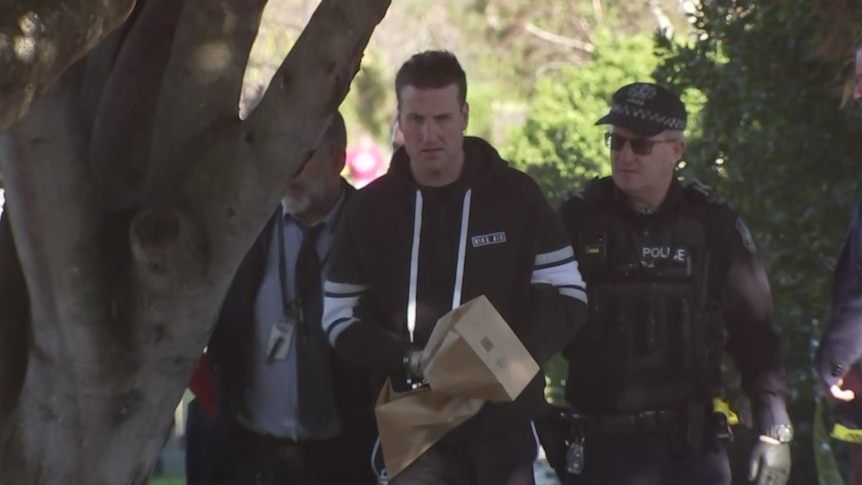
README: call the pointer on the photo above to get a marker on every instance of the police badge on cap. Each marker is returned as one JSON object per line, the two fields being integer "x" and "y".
{"x": 646, "y": 109}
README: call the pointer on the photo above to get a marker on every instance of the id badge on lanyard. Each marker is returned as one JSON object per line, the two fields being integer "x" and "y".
{"x": 280, "y": 339}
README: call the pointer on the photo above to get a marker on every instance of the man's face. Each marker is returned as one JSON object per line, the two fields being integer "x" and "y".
{"x": 857, "y": 87}
{"x": 433, "y": 123}
{"x": 317, "y": 182}
{"x": 643, "y": 174}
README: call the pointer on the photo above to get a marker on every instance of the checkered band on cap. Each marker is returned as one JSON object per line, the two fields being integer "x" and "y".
{"x": 650, "y": 116}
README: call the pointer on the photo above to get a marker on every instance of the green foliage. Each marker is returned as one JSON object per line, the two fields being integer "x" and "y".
{"x": 370, "y": 104}
{"x": 559, "y": 144}
{"x": 167, "y": 481}
{"x": 485, "y": 103}
{"x": 521, "y": 41}
{"x": 776, "y": 145}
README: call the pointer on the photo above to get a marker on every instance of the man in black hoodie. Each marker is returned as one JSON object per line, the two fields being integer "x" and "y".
{"x": 449, "y": 222}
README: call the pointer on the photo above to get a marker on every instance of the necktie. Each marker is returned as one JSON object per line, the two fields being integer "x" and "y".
{"x": 308, "y": 283}
{"x": 314, "y": 386}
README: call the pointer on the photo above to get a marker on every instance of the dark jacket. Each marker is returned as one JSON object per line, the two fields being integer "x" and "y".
{"x": 229, "y": 356}
{"x": 701, "y": 232}
{"x": 513, "y": 251}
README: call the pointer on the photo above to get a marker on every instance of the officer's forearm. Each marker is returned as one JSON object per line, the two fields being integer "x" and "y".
{"x": 841, "y": 344}
{"x": 769, "y": 410}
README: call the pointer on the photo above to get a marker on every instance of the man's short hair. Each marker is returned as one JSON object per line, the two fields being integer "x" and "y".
{"x": 336, "y": 132}
{"x": 432, "y": 70}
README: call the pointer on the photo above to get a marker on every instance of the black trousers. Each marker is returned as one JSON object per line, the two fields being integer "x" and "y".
{"x": 254, "y": 460}
{"x": 504, "y": 460}
{"x": 648, "y": 460}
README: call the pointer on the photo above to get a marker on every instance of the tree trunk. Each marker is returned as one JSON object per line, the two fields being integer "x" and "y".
{"x": 133, "y": 191}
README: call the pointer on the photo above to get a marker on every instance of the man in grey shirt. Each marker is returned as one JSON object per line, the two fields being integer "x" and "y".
{"x": 289, "y": 412}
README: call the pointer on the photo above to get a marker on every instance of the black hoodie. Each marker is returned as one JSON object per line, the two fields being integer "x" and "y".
{"x": 386, "y": 289}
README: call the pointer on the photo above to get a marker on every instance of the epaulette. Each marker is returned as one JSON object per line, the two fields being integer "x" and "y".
{"x": 594, "y": 189}
{"x": 701, "y": 192}
{"x": 589, "y": 192}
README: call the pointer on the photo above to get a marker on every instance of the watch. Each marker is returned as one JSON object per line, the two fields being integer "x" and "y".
{"x": 783, "y": 433}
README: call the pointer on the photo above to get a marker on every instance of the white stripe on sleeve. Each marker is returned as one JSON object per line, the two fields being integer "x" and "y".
{"x": 560, "y": 269}
{"x": 339, "y": 302}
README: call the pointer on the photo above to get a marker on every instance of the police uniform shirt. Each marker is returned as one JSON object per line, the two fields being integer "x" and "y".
{"x": 737, "y": 280}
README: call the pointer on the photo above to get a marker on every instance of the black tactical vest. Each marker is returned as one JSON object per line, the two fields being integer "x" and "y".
{"x": 654, "y": 338}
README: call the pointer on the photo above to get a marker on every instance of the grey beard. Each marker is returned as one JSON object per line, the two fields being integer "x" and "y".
{"x": 296, "y": 206}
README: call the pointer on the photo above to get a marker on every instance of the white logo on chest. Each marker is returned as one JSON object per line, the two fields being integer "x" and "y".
{"x": 677, "y": 255}
{"x": 488, "y": 239}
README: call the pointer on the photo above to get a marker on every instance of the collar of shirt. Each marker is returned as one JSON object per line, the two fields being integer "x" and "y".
{"x": 329, "y": 220}
{"x": 673, "y": 199}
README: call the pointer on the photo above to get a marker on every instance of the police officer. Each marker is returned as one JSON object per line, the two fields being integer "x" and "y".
{"x": 840, "y": 350}
{"x": 673, "y": 281}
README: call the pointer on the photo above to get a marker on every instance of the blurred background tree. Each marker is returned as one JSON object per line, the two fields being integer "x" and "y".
{"x": 764, "y": 83}
{"x": 559, "y": 144}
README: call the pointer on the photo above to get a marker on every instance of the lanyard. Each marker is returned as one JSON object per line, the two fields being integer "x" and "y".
{"x": 288, "y": 307}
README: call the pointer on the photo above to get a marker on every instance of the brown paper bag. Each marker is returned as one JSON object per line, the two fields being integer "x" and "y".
{"x": 411, "y": 422}
{"x": 471, "y": 356}
{"x": 474, "y": 353}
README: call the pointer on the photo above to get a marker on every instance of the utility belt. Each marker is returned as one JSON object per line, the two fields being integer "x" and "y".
{"x": 643, "y": 423}
{"x": 280, "y": 449}
{"x": 687, "y": 429}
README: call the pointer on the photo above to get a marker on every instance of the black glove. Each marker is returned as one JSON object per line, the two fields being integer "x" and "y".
{"x": 770, "y": 463}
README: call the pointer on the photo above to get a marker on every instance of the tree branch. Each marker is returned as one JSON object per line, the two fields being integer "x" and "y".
{"x": 597, "y": 11}
{"x": 38, "y": 40}
{"x": 665, "y": 27}
{"x": 123, "y": 128}
{"x": 100, "y": 63}
{"x": 203, "y": 81}
{"x": 274, "y": 142}
{"x": 530, "y": 28}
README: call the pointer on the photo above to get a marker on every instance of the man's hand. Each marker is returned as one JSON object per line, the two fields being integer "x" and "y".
{"x": 770, "y": 462}
{"x": 839, "y": 393}
{"x": 847, "y": 386}
{"x": 415, "y": 363}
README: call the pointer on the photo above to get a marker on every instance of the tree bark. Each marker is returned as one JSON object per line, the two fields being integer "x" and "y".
{"x": 134, "y": 191}
{"x": 41, "y": 38}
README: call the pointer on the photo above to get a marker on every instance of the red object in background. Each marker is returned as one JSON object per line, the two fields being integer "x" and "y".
{"x": 201, "y": 385}
{"x": 366, "y": 162}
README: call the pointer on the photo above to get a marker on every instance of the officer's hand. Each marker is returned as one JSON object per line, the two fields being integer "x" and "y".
{"x": 838, "y": 392}
{"x": 770, "y": 462}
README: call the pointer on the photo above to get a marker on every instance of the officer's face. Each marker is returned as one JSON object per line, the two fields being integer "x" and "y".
{"x": 641, "y": 175}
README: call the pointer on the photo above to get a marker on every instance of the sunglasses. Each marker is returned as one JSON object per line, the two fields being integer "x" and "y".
{"x": 640, "y": 146}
